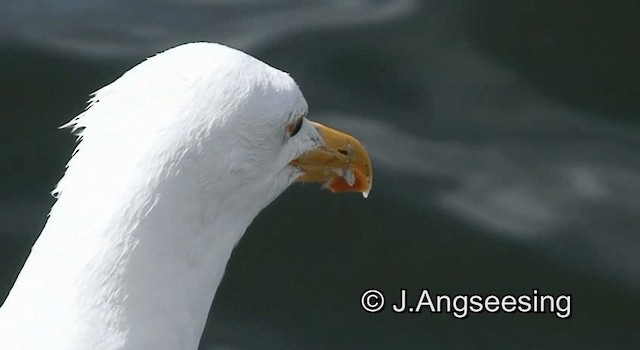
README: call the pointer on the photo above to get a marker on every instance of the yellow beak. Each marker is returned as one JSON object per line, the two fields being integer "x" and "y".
{"x": 341, "y": 164}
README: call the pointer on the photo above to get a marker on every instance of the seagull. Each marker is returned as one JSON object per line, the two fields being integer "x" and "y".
{"x": 174, "y": 160}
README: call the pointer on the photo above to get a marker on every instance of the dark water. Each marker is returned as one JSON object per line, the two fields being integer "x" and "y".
{"x": 504, "y": 136}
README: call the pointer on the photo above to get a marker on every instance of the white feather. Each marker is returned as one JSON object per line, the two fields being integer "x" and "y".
{"x": 176, "y": 158}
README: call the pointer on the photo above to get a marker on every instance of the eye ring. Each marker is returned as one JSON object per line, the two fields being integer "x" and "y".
{"x": 295, "y": 127}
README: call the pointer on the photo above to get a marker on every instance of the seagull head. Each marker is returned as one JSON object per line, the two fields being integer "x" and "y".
{"x": 230, "y": 120}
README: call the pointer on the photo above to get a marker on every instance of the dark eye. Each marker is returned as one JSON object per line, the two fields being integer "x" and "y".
{"x": 295, "y": 127}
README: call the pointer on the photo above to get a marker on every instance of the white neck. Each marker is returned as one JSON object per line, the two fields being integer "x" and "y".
{"x": 143, "y": 277}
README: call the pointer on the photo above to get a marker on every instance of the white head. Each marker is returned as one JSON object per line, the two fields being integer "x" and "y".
{"x": 234, "y": 121}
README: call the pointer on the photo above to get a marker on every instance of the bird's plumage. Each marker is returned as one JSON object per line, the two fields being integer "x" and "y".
{"x": 175, "y": 159}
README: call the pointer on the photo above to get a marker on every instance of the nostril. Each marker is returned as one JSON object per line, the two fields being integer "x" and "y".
{"x": 343, "y": 152}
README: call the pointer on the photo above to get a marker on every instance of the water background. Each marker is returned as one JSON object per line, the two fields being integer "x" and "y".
{"x": 504, "y": 137}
